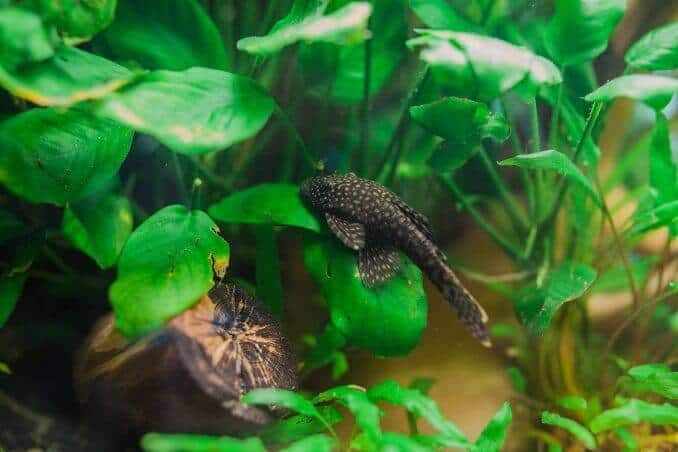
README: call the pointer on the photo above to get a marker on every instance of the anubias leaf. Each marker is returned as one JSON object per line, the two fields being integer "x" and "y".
{"x": 55, "y": 156}
{"x": 492, "y": 437}
{"x": 194, "y": 111}
{"x": 439, "y": 14}
{"x": 166, "y": 265}
{"x": 99, "y": 226}
{"x": 570, "y": 425}
{"x": 159, "y": 442}
{"x": 654, "y": 90}
{"x": 163, "y": 34}
{"x": 536, "y": 306}
{"x": 71, "y": 75}
{"x": 388, "y": 320}
{"x": 579, "y": 29}
{"x": 656, "y": 51}
{"x": 23, "y": 38}
{"x": 306, "y": 22}
{"x": 656, "y": 378}
{"x": 355, "y": 399}
{"x": 555, "y": 161}
{"x": 480, "y": 67}
{"x": 634, "y": 412}
{"x": 76, "y": 18}
{"x": 273, "y": 204}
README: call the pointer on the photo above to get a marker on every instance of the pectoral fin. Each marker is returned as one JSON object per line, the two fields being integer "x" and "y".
{"x": 377, "y": 264}
{"x": 351, "y": 234}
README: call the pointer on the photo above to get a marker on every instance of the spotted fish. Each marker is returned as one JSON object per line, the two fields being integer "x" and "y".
{"x": 374, "y": 221}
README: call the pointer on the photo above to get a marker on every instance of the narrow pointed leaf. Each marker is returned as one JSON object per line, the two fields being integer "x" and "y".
{"x": 571, "y": 426}
{"x": 634, "y": 412}
{"x": 160, "y": 442}
{"x": 298, "y": 427}
{"x": 281, "y": 397}
{"x": 663, "y": 177}
{"x": 656, "y": 378}
{"x": 494, "y": 434}
{"x": 366, "y": 413}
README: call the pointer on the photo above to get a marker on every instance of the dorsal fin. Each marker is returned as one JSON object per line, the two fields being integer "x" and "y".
{"x": 418, "y": 219}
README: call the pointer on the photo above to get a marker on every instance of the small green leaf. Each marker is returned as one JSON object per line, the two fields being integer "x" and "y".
{"x": 492, "y": 437}
{"x": 398, "y": 442}
{"x": 299, "y": 426}
{"x": 439, "y": 14}
{"x": 629, "y": 443}
{"x": 573, "y": 403}
{"x": 555, "y": 161}
{"x": 325, "y": 349}
{"x": 517, "y": 379}
{"x": 52, "y": 81}
{"x": 158, "y": 442}
{"x": 194, "y": 111}
{"x": 163, "y": 34}
{"x": 99, "y": 226}
{"x": 416, "y": 402}
{"x": 55, "y": 156}
{"x": 272, "y": 204}
{"x": 579, "y": 29}
{"x": 4, "y": 368}
{"x": 388, "y": 320}
{"x": 269, "y": 285}
{"x": 23, "y": 38}
{"x": 663, "y": 215}
{"x": 633, "y": 412}
{"x": 313, "y": 443}
{"x": 355, "y": 399}
{"x": 656, "y": 51}
{"x": 281, "y": 397}
{"x": 536, "y": 306}
{"x": 654, "y": 90}
{"x": 656, "y": 378}
{"x": 76, "y": 18}
{"x": 166, "y": 265}
{"x": 346, "y": 25}
{"x": 663, "y": 179}
{"x": 571, "y": 426}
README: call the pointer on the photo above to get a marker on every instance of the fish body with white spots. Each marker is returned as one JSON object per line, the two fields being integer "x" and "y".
{"x": 376, "y": 223}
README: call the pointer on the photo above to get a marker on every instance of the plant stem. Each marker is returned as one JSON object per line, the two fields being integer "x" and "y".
{"x": 536, "y": 147}
{"x": 179, "y": 173}
{"x": 310, "y": 160}
{"x": 195, "y": 195}
{"x": 503, "y": 243}
{"x": 555, "y": 116}
{"x": 365, "y": 108}
{"x": 209, "y": 174}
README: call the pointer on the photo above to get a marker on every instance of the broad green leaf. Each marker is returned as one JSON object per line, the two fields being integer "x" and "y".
{"x": 23, "y": 38}
{"x": 355, "y": 399}
{"x": 76, "y": 18}
{"x": 536, "y": 306}
{"x": 299, "y": 426}
{"x": 69, "y": 76}
{"x": 657, "y": 378}
{"x": 194, "y": 111}
{"x": 481, "y": 67}
{"x": 281, "y": 397}
{"x": 56, "y": 156}
{"x": 346, "y": 25}
{"x": 416, "y": 402}
{"x": 388, "y": 320}
{"x": 163, "y": 34}
{"x": 272, "y": 204}
{"x": 654, "y": 90}
{"x": 571, "y": 426}
{"x": 439, "y": 14}
{"x": 663, "y": 179}
{"x": 492, "y": 437}
{"x": 555, "y": 161}
{"x": 159, "y": 442}
{"x": 10, "y": 226}
{"x": 656, "y": 51}
{"x": 326, "y": 349}
{"x": 449, "y": 156}
{"x": 166, "y": 265}
{"x": 629, "y": 443}
{"x": 99, "y": 226}
{"x": 616, "y": 280}
{"x": 517, "y": 379}
{"x": 269, "y": 286}
{"x": 633, "y": 412}
{"x": 573, "y": 403}
{"x": 10, "y": 291}
{"x": 579, "y": 29}
{"x": 313, "y": 443}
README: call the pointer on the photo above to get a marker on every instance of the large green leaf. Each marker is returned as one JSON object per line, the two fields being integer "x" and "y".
{"x": 633, "y": 412}
{"x": 99, "y": 226}
{"x": 439, "y": 14}
{"x": 663, "y": 178}
{"x": 420, "y": 405}
{"x": 656, "y": 378}
{"x": 159, "y": 442}
{"x": 654, "y": 90}
{"x": 23, "y": 38}
{"x": 346, "y": 25}
{"x": 76, "y": 18}
{"x": 273, "y": 204}
{"x": 194, "y": 111}
{"x": 481, "y": 67}
{"x": 554, "y": 161}
{"x": 388, "y": 320}
{"x": 536, "y": 306}
{"x": 492, "y": 437}
{"x": 55, "y": 156}
{"x": 572, "y": 426}
{"x": 71, "y": 75}
{"x": 163, "y": 34}
{"x": 355, "y": 399}
{"x": 656, "y": 51}
{"x": 166, "y": 265}
{"x": 579, "y": 29}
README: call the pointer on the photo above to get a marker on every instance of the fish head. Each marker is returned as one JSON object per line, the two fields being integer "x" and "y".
{"x": 316, "y": 191}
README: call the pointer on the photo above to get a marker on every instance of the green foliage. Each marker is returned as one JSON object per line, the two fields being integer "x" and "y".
{"x": 632, "y": 412}
{"x": 23, "y": 38}
{"x": 657, "y": 378}
{"x": 494, "y": 434}
{"x": 156, "y": 442}
{"x": 76, "y": 18}
{"x": 654, "y": 90}
{"x": 656, "y": 51}
{"x": 571, "y": 426}
{"x": 165, "y": 267}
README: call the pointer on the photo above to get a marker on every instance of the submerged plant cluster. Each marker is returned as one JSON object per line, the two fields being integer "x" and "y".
{"x": 142, "y": 134}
